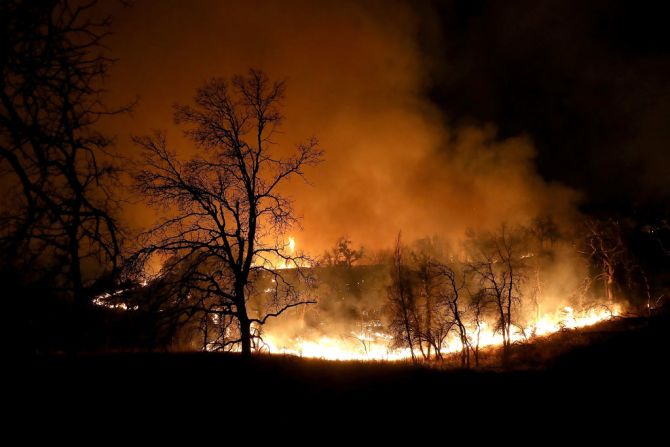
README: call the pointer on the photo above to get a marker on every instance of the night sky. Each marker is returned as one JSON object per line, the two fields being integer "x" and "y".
{"x": 588, "y": 81}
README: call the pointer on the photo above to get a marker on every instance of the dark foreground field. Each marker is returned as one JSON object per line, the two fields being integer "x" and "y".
{"x": 615, "y": 369}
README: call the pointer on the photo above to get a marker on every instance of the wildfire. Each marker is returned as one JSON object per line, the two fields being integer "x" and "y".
{"x": 377, "y": 345}
{"x": 356, "y": 347}
{"x": 286, "y": 259}
{"x": 107, "y": 300}
{"x": 374, "y": 343}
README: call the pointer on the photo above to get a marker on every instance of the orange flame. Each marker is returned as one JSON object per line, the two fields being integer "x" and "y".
{"x": 377, "y": 345}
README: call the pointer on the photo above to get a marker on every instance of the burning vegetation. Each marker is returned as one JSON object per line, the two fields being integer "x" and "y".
{"x": 422, "y": 301}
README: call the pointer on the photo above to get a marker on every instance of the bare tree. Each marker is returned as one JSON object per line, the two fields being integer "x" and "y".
{"x": 227, "y": 216}
{"x": 546, "y": 231}
{"x": 452, "y": 293}
{"x": 543, "y": 234}
{"x": 424, "y": 302}
{"x": 498, "y": 266}
{"x": 604, "y": 245}
{"x": 478, "y": 309}
{"x": 402, "y": 304}
{"x": 434, "y": 319}
{"x": 427, "y": 321}
{"x": 57, "y": 172}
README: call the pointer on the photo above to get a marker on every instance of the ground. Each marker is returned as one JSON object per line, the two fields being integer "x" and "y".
{"x": 615, "y": 368}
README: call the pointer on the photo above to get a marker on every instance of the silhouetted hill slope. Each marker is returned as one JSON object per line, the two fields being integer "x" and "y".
{"x": 616, "y": 366}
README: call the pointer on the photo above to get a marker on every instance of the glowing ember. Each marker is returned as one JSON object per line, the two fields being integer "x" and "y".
{"x": 107, "y": 300}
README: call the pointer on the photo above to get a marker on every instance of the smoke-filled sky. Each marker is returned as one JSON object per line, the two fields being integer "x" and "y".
{"x": 433, "y": 118}
{"x": 588, "y": 80}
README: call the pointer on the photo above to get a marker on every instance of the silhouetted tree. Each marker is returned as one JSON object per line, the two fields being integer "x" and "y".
{"x": 433, "y": 320}
{"x": 168, "y": 304}
{"x": 546, "y": 231}
{"x": 543, "y": 234}
{"x": 57, "y": 173}
{"x": 497, "y": 265}
{"x": 604, "y": 245}
{"x": 402, "y": 303}
{"x": 227, "y": 218}
{"x": 342, "y": 254}
{"x": 428, "y": 323}
{"x": 454, "y": 284}
{"x": 478, "y": 309}
{"x": 424, "y": 298}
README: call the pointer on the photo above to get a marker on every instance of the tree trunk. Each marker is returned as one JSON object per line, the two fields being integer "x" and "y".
{"x": 205, "y": 330}
{"x": 243, "y": 319}
{"x": 609, "y": 284}
{"x": 79, "y": 328}
{"x": 245, "y": 334}
{"x": 429, "y": 318}
{"x": 80, "y": 301}
{"x": 405, "y": 313}
{"x": 408, "y": 332}
{"x": 501, "y": 316}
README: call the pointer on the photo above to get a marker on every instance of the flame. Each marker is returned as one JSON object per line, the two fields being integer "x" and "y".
{"x": 107, "y": 300}
{"x": 357, "y": 347}
{"x": 377, "y": 345}
{"x": 285, "y": 258}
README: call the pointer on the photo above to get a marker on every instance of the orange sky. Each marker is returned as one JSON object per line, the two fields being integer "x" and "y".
{"x": 355, "y": 77}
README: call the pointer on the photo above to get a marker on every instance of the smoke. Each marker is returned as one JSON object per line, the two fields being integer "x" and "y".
{"x": 356, "y": 80}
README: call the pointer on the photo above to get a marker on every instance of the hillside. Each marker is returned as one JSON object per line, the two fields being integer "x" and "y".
{"x": 611, "y": 363}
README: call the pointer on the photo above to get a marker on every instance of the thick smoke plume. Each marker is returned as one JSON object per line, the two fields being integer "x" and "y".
{"x": 356, "y": 80}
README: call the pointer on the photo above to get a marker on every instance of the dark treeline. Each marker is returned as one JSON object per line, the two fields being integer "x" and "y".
{"x": 61, "y": 241}
{"x": 74, "y": 278}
